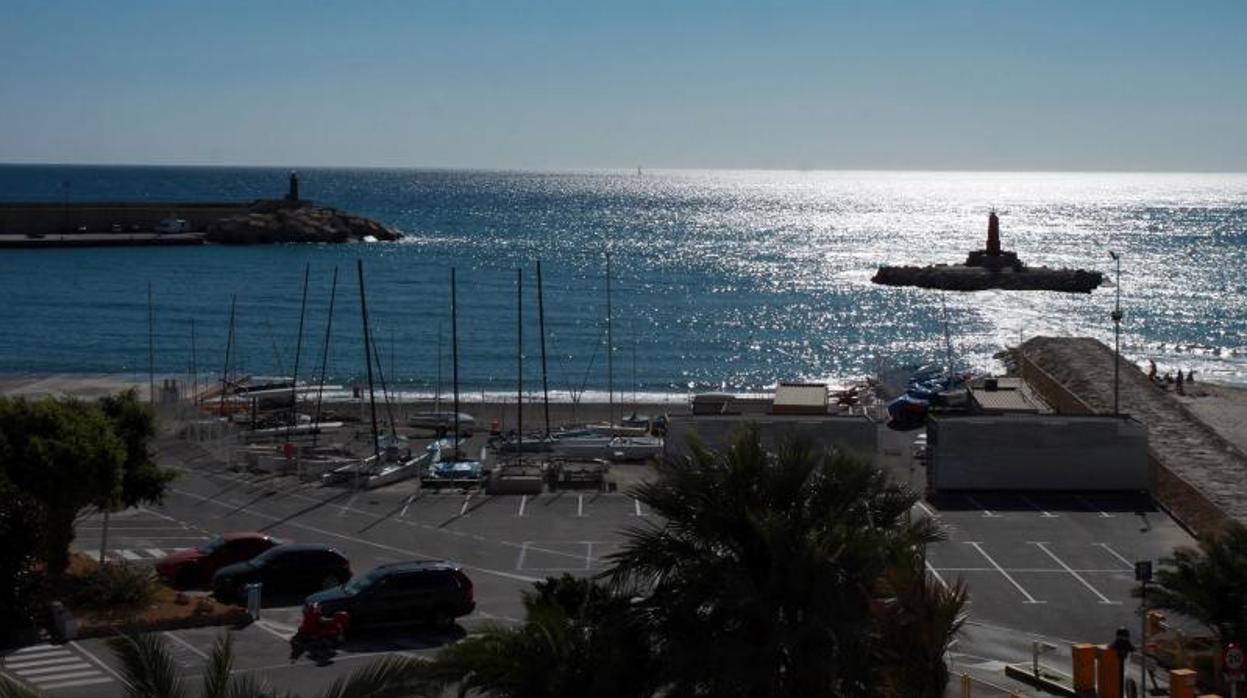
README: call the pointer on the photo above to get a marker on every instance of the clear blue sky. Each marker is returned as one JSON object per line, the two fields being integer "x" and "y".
{"x": 1008, "y": 84}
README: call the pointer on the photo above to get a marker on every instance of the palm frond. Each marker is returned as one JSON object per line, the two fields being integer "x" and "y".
{"x": 384, "y": 678}
{"x": 148, "y": 666}
{"x": 216, "y": 678}
{"x": 12, "y": 689}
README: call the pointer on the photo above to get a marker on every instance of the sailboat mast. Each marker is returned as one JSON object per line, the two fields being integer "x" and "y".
{"x": 372, "y": 398}
{"x": 324, "y": 357}
{"x": 519, "y": 363}
{"x": 948, "y": 340}
{"x": 541, "y": 323}
{"x": 298, "y": 352}
{"x": 229, "y": 344}
{"x": 454, "y": 353}
{"x": 194, "y": 367}
{"x": 610, "y": 349}
{"x": 437, "y": 398}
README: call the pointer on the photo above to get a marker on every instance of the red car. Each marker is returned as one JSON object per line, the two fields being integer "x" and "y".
{"x": 195, "y": 566}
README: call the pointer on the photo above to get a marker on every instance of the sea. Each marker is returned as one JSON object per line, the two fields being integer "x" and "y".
{"x": 719, "y": 280}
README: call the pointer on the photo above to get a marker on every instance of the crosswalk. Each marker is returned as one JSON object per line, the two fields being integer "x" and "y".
{"x": 48, "y": 667}
{"x": 133, "y": 554}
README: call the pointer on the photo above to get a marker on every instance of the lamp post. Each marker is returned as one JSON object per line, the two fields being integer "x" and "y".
{"x": 1122, "y": 647}
{"x": 1116, "y": 315}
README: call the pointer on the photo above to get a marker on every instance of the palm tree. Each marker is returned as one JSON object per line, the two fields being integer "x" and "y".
{"x": 918, "y": 619}
{"x": 1207, "y": 584}
{"x": 762, "y": 577}
{"x": 576, "y": 640}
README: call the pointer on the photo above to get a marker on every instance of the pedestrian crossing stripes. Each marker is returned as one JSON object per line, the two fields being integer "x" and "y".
{"x": 133, "y": 555}
{"x": 48, "y": 667}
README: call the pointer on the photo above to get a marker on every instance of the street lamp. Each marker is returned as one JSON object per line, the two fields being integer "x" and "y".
{"x": 1116, "y": 315}
{"x": 1122, "y": 647}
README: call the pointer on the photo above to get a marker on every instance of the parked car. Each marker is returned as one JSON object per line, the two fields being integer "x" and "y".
{"x": 195, "y": 566}
{"x": 400, "y": 594}
{"x": 285, "y": 569}
{"x": 171, "y": 225}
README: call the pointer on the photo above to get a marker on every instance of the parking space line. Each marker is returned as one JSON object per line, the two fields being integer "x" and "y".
{"x": 75, "y": 666}
{"x": 1003, "y": 573}
{"x": 406, "y": 504}
{"x": 463, "y": 510}
{"x": 580, "y": 505}
{"x": 1103, "y": 599}
{"x": 588, "y": 555}
{"x": 129, "y": 554}
{"x": 925, "y": 509}
{"x": 935, "y": 574}
{"x": 350, "y": 503}
{"x": 1092, "y": 507}
{"x": 519, "y": 564}
{"x": 36, "y": 648}
{"x": 194, "y": 650}
{"x": 523, "y": 503}
{"x": 637, "y": 502}
{"x": 1042, "y": 512}
{"x": 275, "y": 632}
{"x": 986, "y": 512}
{"x": 1129, "y": 565}
{"x": 41, "y": 660}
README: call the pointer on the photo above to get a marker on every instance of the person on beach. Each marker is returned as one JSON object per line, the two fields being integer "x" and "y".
{"x": 1151, "y": 370}
{"x": 1178, "y": 385}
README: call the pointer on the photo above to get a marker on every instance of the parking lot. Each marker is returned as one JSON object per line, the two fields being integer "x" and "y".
{"x": 1056, "y": 565}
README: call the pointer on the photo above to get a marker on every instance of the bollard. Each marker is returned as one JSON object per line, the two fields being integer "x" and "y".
{"x": 965, "y": 686}
{"x": 253, "y": 599}
{"x": 1107, "y": 673}
{"x": 1084, "y": 668}
{"x": 1182, "y": 683}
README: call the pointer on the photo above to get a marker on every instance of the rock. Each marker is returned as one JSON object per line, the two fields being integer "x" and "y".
{"x": 278, "y": 222}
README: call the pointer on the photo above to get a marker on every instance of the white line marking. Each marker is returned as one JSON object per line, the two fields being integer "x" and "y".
{"x": 200, "y": 653}
{"x": 1001, "y": 570}
{"x": 264, "y": 625}
{"x": 42, "y": 661}
{"x": 588, "y": 554}
{"x": 986, "y": 512}
{"x": 118, "y": 529}
{"x": 350, "y": 503}
{"x": 1114, "y": 553}
{"x": 925, "y": 509}
{"x": 523, "y": 503}
{"x": 154, "y": 552}
{"x": 1093, "y": 507}
{"x": 129, "y": 554}
{"x": 93, "y": 673}
{"x": 637, "y": 502}
{"x": 147, "y": 538}
{"x": 463, "y": 510}
{"x": 353, "y": 539}
{"x": 100, "y": 664}
{"x": 1030, "y": 570}
{"x": 71, "y": 684}
{"x": 519, "y": 564}
{"x": 580, "y": 505}
{"x": 403, "y": 513}
{"x": 45, "y": 647}
{"x": 36, "y": 671}
{"x": 1042, "y": 512}
{"x": 935, "y": 574}
{"x": 1075, "y": 575}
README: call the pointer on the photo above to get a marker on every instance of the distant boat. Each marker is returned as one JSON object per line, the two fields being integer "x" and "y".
{"x": 443, "y": 419}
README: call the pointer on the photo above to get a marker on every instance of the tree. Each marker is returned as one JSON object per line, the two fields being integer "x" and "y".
{"x": 1207, "y": 584}
{"x": 68, "y": 455}
{"x": 763, "y": 575}
{"x": 577, "y": 640}
{"x": 918, "y": 619}
{"x": 134, "y": 423}
{"x": 20, "y": 582}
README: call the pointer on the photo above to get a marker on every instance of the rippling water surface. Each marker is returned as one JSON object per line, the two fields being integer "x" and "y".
{"x": 729, "y": 280}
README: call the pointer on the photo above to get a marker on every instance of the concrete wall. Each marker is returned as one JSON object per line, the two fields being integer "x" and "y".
{"x": 1037, "y": 452}
{"x": 857, "y": 434}
{"x": 50, "y": 219}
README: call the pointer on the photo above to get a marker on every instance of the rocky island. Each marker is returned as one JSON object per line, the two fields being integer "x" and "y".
{"x": 990, "y": 267}
{"x": 291, "y": 219}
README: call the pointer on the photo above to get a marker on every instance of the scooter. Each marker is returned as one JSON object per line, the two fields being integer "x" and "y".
{"x": 318, "y": 636}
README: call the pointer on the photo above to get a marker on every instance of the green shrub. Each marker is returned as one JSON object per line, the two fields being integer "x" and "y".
{"x": 116, "y": 586}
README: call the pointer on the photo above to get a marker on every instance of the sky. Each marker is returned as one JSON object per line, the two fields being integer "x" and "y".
{"x": 894, "y": 84}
